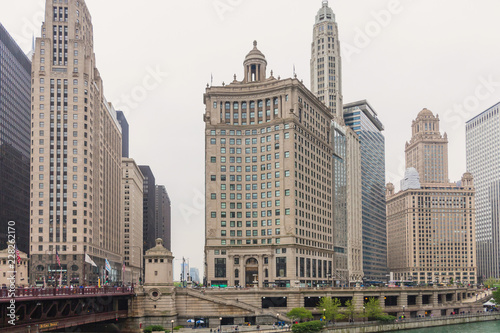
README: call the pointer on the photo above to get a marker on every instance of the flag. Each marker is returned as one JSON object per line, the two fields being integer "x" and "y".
{"x": 58, "y": 260}
{"x": 107, "y": 266}
{"x": 89, "y": 260}
{"x": 18, "y": 255}
{"x": 123, "y": 267}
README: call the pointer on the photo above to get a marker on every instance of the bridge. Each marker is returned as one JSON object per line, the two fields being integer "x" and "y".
{"x": 40, "y": 310}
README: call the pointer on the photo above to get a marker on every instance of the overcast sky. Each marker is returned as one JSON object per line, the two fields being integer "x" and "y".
{"x": 157, "y": 56}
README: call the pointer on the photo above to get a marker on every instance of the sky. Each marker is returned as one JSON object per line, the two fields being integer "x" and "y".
{"x": 157, "y": 56}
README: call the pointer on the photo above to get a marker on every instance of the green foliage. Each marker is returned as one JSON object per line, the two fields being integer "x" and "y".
{"x": 350, "y": 309}
{"x": 176, "y": 328}
{"x": 310, "y": 326}
{"x": 299, "y": 314}
{"x": 331, "y": 307}
{"x": 491, "y": 282}
{"x": 373, "y": 310}
{"x": 496, "y": 296}
{"x": 386, "y": 318}
{"x": 152, "y": 328}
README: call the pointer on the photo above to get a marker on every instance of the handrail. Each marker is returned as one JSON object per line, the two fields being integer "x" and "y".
{"x": 51, "y": 292}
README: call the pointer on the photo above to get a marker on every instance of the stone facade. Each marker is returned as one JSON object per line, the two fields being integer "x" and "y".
{"x": 76, "y": 160}
{"x": 132, "y": 194}
{"x": 430, "y": 224}
{"x": 6, "y": 270}
{"x": 268, "y": 182}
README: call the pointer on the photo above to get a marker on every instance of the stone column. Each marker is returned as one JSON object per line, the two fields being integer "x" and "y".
{"x": 230, "y": 270}
{"x": 419, "y": 301}
{"x": 261, "y": 271}
{"x": 435, "y": 299}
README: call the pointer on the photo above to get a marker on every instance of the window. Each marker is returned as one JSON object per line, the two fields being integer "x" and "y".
{"x": 220, "y": 267}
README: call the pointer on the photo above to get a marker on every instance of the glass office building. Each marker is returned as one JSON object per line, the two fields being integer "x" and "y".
{"x": 361, "y": 117}
{"x": 483, "y": 153}
{"x": 15, "y": 105}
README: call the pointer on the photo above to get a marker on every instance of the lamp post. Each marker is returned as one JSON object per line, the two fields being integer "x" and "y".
{"x": 403, "y": 312}
{"x": 324, "y": 314}
{"x": 172, "y": 322}
{"x": 220, "y": 324}
{"x": 140, "y": 263}
{"x": 364, "y": 314}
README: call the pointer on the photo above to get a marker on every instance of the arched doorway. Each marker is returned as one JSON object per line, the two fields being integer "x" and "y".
{"x": 251, "y": 272}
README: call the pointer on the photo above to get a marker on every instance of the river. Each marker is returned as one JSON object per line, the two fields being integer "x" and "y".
{"x": 483, "y": 327}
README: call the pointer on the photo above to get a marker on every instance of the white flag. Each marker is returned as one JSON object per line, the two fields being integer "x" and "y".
{"x": 89, "y": 260}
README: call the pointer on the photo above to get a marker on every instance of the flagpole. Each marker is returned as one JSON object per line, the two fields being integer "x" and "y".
{"x": 84, "y": 264}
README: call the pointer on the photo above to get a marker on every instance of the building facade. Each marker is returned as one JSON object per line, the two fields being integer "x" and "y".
{"x": 132, "y": 194}
{"x": 483, "y": 152}
{"x": 163, "y": 224}
{"x": 431, "y": 225}
{"x": 326, "y": 84}
{"x": 76, "y": 160}
{"x": 149, "y": 208}
{"x": 15, "y": 123}
{"x": 326, "y": 70}
{"x": 125, "y": 133}
{"x": 17, "y": 276}
{"x": 268, "y": 171}
{"x": 363, "y": 120}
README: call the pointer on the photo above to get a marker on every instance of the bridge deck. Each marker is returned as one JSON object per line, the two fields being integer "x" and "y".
{"x": 28, "y": 294}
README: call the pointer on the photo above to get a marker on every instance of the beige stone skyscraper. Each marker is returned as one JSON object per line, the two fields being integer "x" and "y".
{"x": 326, "y": 84}
{"x": 132, "y": 194}
{"x": 431, "y": 222}
{"x": 76, "y": 154}
{"x": 268, "y": 178}
{"x": 427, "y": 150}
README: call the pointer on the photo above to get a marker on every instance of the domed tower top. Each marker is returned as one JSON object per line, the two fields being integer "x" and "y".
{"x": 325, "y": 13}
{"x": 255, "y": 65}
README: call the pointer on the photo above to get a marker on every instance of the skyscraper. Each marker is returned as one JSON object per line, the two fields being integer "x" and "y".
{"x": 430, "y": 224}
{"x": 15, "y": 123}
{"x": 132, "y": 194}
{"x": 149, "y": 208}
{"x": 76, "y": 161}
{"x": 362, "y": 118}
{"x": 163, "y": 216}
{"x": 483, "y": 153}
{"x": 268, "y": 182}
{"x": 326, "y": 65}
{"x": 326, "y": 84}
{"x": 125, "y": 136}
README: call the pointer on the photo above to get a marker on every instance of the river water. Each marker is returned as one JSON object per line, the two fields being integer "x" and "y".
{"x": 484, "y": 327}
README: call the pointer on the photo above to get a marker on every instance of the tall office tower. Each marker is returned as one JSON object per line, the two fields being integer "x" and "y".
{"x": 15, "y": 114}
{"x": 76, "y": 154}
{"x": 427, "y": 141}
{"x": 132, "y": 194}
{"x": 326, "y": 84}
{"x": 163, "y": 223}
{"x": 326, "y": 66}
{"x": 149, "y": 208}
{"x": 362, "y": 118}
{"x": 430, "y": 226}
{"x": 483, "y": 152}
{"x": 194, "y": 273}
{"x": 125, "y": 137}
{"x": 268, "y": 182}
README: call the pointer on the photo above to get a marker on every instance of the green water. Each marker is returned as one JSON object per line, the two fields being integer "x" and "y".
{"x": 484, "y": 327}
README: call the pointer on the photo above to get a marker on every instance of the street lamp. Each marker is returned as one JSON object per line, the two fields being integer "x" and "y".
{"x": 172, "y": 322}
{"x": 364, "y": 314}
{"x": 403, "y": 312}
{"x": 324, "y": 314}
{"x": 220, "y": 324}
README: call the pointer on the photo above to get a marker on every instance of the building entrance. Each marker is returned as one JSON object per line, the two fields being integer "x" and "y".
{"x": 251, "y": 272}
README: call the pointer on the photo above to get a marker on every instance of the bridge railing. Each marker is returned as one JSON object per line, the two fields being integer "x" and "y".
{"x": 46, "y": 292}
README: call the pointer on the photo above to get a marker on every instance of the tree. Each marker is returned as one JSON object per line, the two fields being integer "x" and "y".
{"x": 373, "y": 310}
{"x": 491, "y": 282}
{"x": 350, "y": 310}
{"x": 299, "y": 314}
{"x": 331, "y": 307}
{"x": 496, "y": 296}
